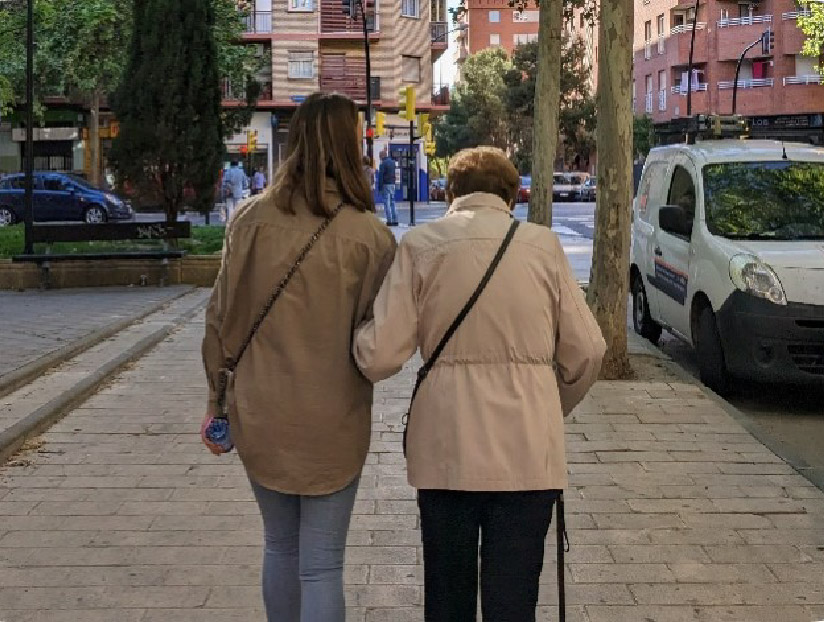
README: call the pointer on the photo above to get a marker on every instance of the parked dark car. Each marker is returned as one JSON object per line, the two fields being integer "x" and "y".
{"x": 60, "y": 197}
{"x": 437, "y": 191}
{"x": 525, "y": 190}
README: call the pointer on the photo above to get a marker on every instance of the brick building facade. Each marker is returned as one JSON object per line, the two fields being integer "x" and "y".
{"x": 780, "y": 91}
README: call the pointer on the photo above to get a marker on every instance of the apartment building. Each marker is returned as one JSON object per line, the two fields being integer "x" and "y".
{"x": 780, "y": 90}
{"x": 317, "y": 45}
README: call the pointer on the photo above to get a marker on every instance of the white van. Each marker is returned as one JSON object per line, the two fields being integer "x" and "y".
{"x": 728, "y": 255}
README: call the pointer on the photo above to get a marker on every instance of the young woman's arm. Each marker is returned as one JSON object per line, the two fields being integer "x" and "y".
{"x": 383, "y": 344}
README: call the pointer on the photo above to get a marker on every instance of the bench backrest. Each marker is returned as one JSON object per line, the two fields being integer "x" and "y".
{"x": 111, "y": 231}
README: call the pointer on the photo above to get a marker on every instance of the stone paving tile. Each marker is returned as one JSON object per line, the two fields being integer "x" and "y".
{"x": 675, "y": 513}
{"x": 36, "y": 323}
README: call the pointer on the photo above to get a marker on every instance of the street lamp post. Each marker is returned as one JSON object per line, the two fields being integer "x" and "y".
{"x": 369, "y": 136}
{"x": 28, "y": 216}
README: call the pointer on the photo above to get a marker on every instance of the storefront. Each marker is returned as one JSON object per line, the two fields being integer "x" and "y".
{"x": 257, "y": 146}
{"x": 802, "y": 128}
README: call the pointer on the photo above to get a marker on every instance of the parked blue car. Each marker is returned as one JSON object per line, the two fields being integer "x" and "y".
{"x": 59, "y": 197}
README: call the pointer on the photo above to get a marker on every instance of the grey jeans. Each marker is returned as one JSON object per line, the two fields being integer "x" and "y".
{"x": 304, "y": 545}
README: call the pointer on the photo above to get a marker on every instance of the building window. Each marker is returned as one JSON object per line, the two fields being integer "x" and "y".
{"x": 648, "y": 96}
{"x": 662, "y": 90}
{"x": 522, "y": 17}
{"x": 583, "y": 20}
{"x": 647, "y": 31}
{"x": 494, "y": 17}
{"x": 412, "y": 69}
{"x": 410, "y": 8}
{"x": 301, "y": 5}
{"x": 301, "y": 65}
{"x": 522, "y": 38}
{"x": 494, "y": 38}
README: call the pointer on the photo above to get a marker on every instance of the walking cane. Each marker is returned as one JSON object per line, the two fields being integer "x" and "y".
{"x": 561, "y": 536}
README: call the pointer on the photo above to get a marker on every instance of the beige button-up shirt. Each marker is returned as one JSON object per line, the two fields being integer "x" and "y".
{"x": 489, "y": 417}
{"x": 300, "y": 410}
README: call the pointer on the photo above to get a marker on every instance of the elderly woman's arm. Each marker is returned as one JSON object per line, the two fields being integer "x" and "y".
{"x": 579, "y": 345}
{"x": 383, "y": 344}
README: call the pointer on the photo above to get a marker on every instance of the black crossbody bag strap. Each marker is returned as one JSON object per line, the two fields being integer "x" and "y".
{"x": 230, "y": 365}
{"x": 423, "y": 372}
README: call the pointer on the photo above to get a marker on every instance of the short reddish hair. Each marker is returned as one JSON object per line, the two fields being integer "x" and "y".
{"x": 482, "y": 169}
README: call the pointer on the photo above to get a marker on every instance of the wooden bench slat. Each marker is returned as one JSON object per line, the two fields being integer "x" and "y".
{"x": 44, "y": 257}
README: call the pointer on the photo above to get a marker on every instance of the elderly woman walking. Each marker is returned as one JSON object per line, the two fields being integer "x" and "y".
{"x": 302, "y": 265}
{"x": 485, "y": 430}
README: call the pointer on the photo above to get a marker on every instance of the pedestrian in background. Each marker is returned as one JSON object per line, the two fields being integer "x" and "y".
{"x": 234, "y": 182}
{"x": 369, "y": 171}
{"x": 258, "y": 182}
{"x": 485, "y": 430}
{"x": 300, "y": 411}
{"x": 386, "y": 185}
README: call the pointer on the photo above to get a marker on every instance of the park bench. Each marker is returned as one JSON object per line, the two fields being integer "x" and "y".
{"x": 50, "y": 234}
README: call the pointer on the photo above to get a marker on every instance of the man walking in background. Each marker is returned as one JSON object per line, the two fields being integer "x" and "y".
{"x": 258, "y": 181}
{"x": 234, "y": 181}
{"x": 386, "y": 184}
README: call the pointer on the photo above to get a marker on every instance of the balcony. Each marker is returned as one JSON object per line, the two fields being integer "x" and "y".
{"x": 237, "y": 94}
{"x": 335, "y": 23}
{"x": 735, "y": 34}
{"x": 752, "y": 101}
{"x": 746, "y": 84}
{"x": 439, "y": 33}
{"x": 347, "y": 75}
{"x": 700, "y": 87}
{"x": 678, "y": 47}
{"x": 802, "y": 80}
{"x": 792, "y": 38}
{"x": 257, "y": 23}
{"x": 440, "y": 96}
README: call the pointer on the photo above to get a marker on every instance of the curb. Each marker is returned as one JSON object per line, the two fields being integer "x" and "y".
{"x": 786, "y": 456}
{"x": 13, "y": 438}
{"x": 21, "y": 376}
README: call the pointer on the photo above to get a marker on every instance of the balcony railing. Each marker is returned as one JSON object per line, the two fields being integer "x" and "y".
{"x": 648, "y": 103}
{"x": 662, "y": 99}
{"x": 661, "y": 45}
{"x": 747, "y": 84}
{"x": 440, "y": 96}
{"x": 238, "y": 93}
{"x": 796, "y": 14}
{"x": 439, "y": 32}
{"x": 333, "y": 19}
{"x": 745, "y": 21}
{"x": 257, "y": 22}
{"x": 682, "y": 90}
{"x": 683, "y": 28}
{"x": 812, "y": 79}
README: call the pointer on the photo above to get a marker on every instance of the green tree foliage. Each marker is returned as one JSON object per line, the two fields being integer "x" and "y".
{"x": 170, "y": 106}
{"x": 577, "y": 110}
{"x": 81, "y": 49}
{"x": 477, "y": 114}
{"x": 812, "y": 25}
{"x": 643, "y": 136}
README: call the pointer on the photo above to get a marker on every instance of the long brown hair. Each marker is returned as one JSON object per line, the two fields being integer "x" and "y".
{"x": 323, "y": 145}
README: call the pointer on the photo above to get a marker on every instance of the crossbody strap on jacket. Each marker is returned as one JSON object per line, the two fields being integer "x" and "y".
{"x": 428, "y": 365}
{"x": 229, "y": 367}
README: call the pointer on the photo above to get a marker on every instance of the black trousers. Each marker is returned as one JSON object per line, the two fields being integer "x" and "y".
{"x": 512, "y": 526}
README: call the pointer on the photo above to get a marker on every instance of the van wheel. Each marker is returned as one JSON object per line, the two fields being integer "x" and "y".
{"x": 6, "y": 217}
{"x": 641, "y": 319}
{"x": 711, "y": 363}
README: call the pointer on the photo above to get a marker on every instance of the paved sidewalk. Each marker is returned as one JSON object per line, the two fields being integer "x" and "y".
{"x": 37, "y": 323}
{"x": 676, "y": 513}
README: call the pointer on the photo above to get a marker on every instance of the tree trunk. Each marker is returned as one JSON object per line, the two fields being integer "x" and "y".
{"x": 609, "y": 285}
{"x": 547, "y": 107}
{"x": 94, "y": 139}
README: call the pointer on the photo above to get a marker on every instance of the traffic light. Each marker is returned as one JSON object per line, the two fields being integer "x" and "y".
{"x": 406, "y": 103}
{"x": 767, "y": 42}
{"x": 429, "y": 149}
{"x": 426, "y": 132}
{"x": 380, "y": 121}
{"x": 251, "y": 140}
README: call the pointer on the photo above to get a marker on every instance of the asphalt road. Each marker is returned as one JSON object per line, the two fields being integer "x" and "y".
{"x": 788, "y": 420}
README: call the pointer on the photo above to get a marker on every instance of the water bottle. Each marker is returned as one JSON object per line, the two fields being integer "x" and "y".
{"x": 218, "y": 433}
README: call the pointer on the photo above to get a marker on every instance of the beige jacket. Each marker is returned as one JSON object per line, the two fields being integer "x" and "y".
{"x": 489, "y": 417}
{"x": 301, "y": 411}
